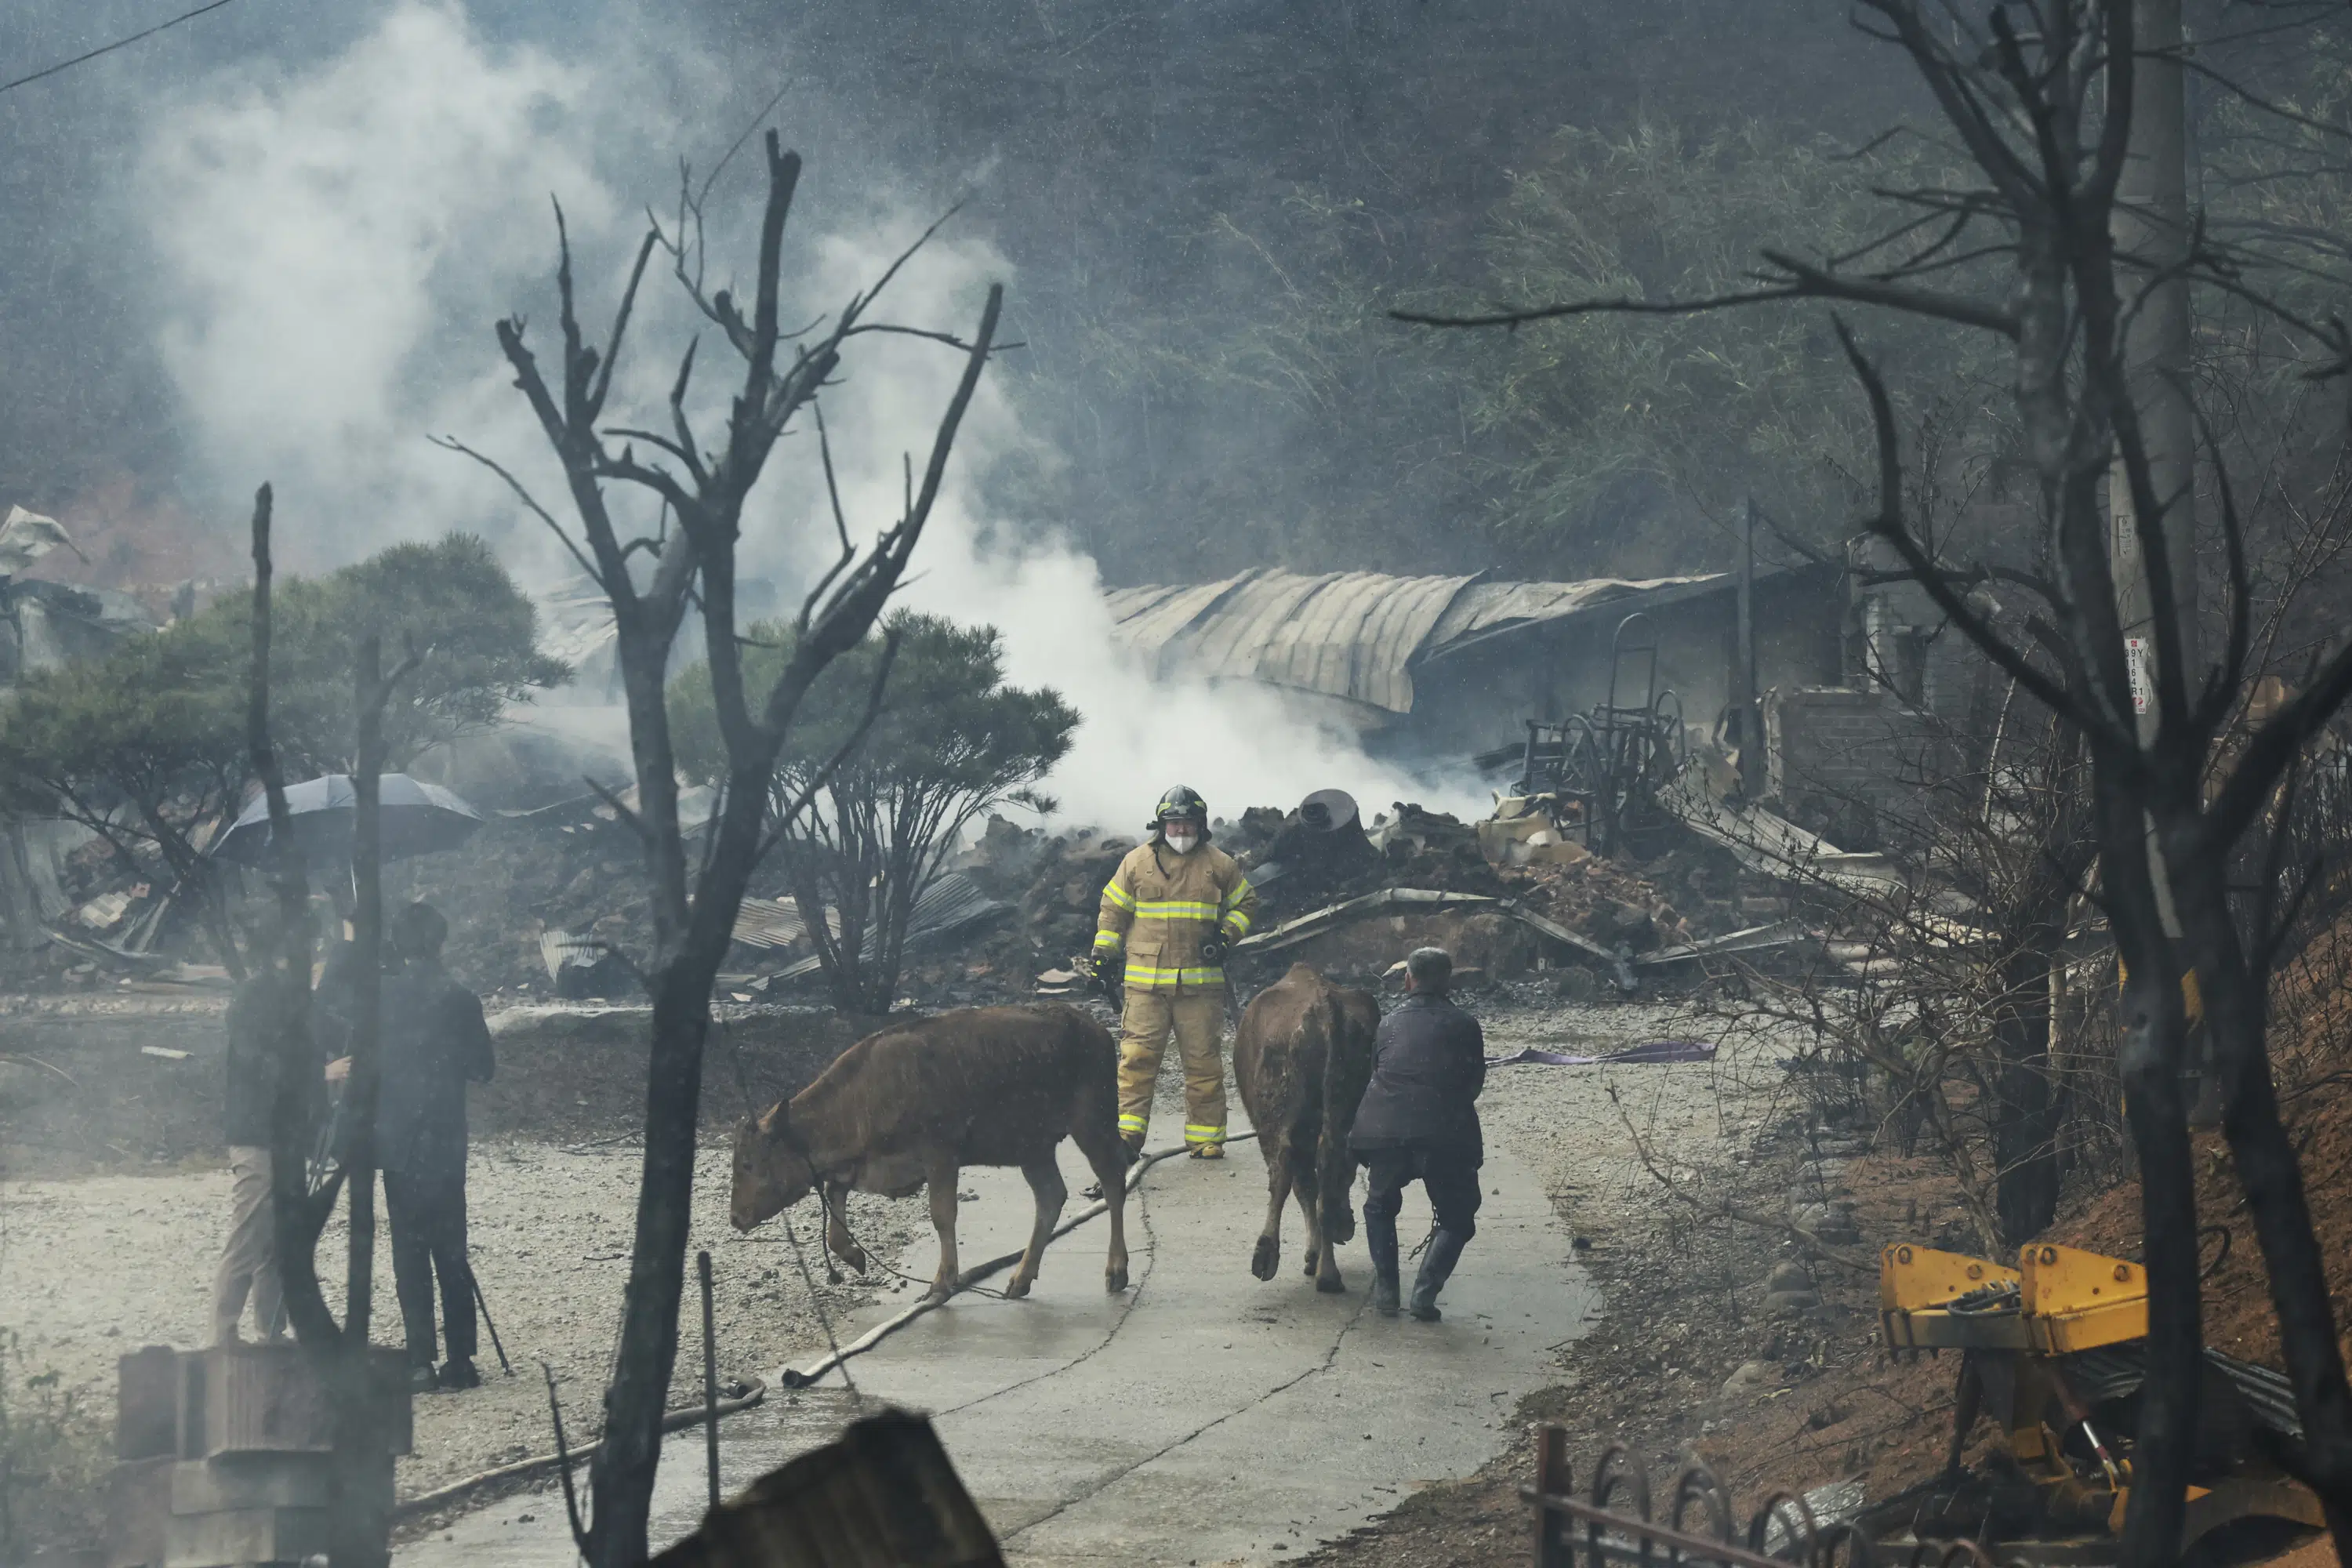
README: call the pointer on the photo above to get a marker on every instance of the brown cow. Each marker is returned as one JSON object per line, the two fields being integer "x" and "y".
{"x": 1302, "y": 1056}
{"x": 916, "y": 1103}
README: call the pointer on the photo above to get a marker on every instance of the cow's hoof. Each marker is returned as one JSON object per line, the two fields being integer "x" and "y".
{"x": 1015, "y": 1287}
{"x": 1114, "y": 1280}
{"x": 937, "y": 1296}
{"x": 1309, "y": 1270}
{"x": 1267, "y": 1258}
{"x": 832, "y": 1275}
{"x": 1331, "y": 1284}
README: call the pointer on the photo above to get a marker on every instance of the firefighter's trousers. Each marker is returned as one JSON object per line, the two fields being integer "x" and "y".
{"x": 1197, "y": 1018}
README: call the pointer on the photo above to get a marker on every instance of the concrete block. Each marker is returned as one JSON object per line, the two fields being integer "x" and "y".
{"x": 138, "y": 1506}
{"x": 241, "y": 1537}
{"x": 268, "y": 1399}
{"x": 265, "y": 1480}
{"x": 256, "y": 1399}
{"x": 147, "y": 1404}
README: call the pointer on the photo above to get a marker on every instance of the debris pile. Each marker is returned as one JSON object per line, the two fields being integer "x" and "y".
{"x": 551, "y": 902}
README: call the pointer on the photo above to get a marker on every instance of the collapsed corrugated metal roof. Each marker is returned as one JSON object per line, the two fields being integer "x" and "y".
{"x": 1344, "y": 634}
{"x": 1487, "y": 607}
{"x": 1355, "y": 636}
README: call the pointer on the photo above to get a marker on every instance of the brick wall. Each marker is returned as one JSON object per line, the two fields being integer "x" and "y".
{"x": 1846, "y": 764}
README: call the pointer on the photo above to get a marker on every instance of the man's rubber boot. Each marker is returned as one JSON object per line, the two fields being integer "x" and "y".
{"x": 1208, "y": 1150}
{"x": 1436, "y": 1268}
{"x": 1381, "y": 1241}
{"x": 458, "y": 1374}
{"x": 1130, "y": 1147}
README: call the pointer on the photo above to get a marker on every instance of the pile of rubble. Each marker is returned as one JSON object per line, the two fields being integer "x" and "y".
{"x": 1352, "y": 899}
{"x": 550, "y": 901}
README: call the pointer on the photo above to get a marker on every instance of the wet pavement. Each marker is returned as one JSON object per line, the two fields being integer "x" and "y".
{"x": 1200, "y": 1417}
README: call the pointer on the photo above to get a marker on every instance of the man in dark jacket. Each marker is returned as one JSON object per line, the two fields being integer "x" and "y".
{"x": 1419, "y": 1122}
{"x": 434, "y": 1044}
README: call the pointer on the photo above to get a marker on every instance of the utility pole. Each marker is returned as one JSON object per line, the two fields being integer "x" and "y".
{"x": 2150, "y": 226}
{"x": 1747, "y": 734}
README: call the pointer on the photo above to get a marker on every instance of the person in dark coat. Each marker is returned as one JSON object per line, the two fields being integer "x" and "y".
{"x": 435, "y": 1043}
{"x": 1418, "y": 1121}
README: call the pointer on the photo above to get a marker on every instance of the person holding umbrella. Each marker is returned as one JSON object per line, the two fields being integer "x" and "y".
{"x": 435, "y": 1043}
{"x": 432, "y": 1042}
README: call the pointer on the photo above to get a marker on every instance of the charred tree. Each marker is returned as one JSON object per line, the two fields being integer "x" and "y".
{"x": 2043, "y": 97}
{"x": 690, "y": 566}
{"x": 362, "y": 1528}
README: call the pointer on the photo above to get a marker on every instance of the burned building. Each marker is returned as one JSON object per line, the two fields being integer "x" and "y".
{"x": 1440, "y": 667}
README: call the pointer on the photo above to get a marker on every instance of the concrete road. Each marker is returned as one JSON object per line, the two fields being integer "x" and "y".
{"x": 1200, "y": 1417}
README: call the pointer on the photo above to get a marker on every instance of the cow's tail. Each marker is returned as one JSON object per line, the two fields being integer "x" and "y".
{"x": 1335, "y": 1172}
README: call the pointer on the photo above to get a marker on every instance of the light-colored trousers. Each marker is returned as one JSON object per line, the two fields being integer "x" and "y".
{"x": 1197, "y": 1018}
{"x": 248, "y": 1266}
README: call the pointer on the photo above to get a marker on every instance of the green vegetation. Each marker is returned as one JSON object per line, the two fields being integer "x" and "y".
{"x": 1633, "y": 439}
{"x": 1598, "y": 444}
{"x": 147, "y": 747}
{"x": 54, "y": 1457}
{"x": 953, "y": 740}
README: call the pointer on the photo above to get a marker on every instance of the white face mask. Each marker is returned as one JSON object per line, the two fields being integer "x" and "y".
{"x": 1182, "y": 842}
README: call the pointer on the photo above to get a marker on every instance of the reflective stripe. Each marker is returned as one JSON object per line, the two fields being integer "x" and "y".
{"x": 1152, "y": 978}
{"x": 1237, "y": 918}
{"x": 1133, "y": 1123}
{"x": 1204, "y": 1134}
{"x": 1119, "y": 897}
{"x": 1175, "y": 909}
{"x": 1104, "y": 939}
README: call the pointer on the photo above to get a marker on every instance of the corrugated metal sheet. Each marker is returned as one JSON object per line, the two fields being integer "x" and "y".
{"x": 1490, "y": 606}
{"x": 1348, "y": 634}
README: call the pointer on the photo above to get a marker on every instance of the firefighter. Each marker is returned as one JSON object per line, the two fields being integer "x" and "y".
{"x": 1174, "y": 905}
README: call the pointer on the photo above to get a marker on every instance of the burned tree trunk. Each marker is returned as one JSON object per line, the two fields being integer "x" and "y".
{"x": 701, "y": 494}
{"x": 2028, "y": 1107}
{"x": 297, "y": 1214}
{"x": 363, "y": 1528}
{"x": 340, "y": 1357}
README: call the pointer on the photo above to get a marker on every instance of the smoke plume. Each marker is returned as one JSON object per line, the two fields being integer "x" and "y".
{"x": 332, "y": 243}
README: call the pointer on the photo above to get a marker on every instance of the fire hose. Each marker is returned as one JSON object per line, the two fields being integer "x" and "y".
{"x": 801, "y": 1377}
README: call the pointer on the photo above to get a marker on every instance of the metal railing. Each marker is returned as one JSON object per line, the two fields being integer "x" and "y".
{"x": 1611, "y": 1522}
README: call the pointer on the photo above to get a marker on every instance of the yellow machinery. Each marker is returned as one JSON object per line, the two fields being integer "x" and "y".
{"x": 2051, "y": 1352}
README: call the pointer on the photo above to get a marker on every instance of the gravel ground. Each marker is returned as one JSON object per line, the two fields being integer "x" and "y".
{"x": 1577, "y": 1125}
{"x": 551, "y": 1231}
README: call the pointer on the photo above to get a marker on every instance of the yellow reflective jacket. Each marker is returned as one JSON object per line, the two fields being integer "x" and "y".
{"x": 1160, "y": 906}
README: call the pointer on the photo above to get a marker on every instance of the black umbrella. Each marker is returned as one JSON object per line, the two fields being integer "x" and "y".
{"x": 417, "y": 819}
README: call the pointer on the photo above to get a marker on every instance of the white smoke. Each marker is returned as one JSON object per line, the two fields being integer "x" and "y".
{"x": 1239, "y": 745}
{"x": 332, "y": 248}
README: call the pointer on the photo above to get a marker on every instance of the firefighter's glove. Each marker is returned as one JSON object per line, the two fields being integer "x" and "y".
{"x": 1213, "y": 951}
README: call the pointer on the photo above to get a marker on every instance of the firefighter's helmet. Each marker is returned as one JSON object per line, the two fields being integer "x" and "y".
{"x": 1181, "y": 804}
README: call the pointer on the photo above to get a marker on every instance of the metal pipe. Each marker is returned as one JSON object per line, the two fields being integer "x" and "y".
{"x": 482, "y": 1302}
{"x": 710, "y": 1379}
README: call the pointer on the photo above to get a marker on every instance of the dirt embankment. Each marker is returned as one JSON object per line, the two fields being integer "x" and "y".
{"x": 1693, "y": 1359}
